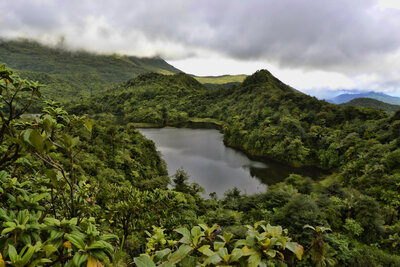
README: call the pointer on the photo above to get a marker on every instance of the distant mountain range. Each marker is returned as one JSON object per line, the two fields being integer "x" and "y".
{"x": 372, "y": 103}
{"x": 344, "y": 98}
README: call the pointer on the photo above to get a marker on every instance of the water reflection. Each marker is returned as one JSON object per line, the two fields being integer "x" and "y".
{"x": 217, "y": 168}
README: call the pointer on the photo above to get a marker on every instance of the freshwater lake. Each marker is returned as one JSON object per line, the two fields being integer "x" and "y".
{"x": 202, "y": 154}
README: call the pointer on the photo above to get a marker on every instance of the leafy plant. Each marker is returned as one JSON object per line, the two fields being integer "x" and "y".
{"x": 198, "y": 248}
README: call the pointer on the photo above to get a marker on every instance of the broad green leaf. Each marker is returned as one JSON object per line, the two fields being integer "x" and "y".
{"x": 295, "y": 248}
{"x": 26, "y": 135}
{"x": 109, "y": 237}
{"x": 79, "y": 259}
{"x": 213, "y": 259}
{"x": 40, "y": 197}
{"x": 254, "y": 260}
{"x": 75, "y": 240}
{"x": 73, "y": 221}
{"x": 28, "y": 255}
{"x": 88, "y": 125}
{"x": 236, "y": 254}
{"x": 144, "y": 261}
{"x": 240, "y": 243}
{"x": 91, "y": 230}
{"x": 36, "y": 140}
{"x": 97, "y": 245}
{"x": 218, "y": 245}
{"x": 196, "y": 231}
{"x": 51, "y": 221}
{"x": 180, "y": 254}
{"x": 322, "y": 229}
{"x": 247, "y": 251}
{"x": 55, "y": 235}
{"x": 160, "y": 255}
{"x": 308, "y": 226}
{"x": 99, "y": 254}
{"x": 49, "y": 249}
{"x": 102, "y": 245}
{"x": 47, "y": 122}
{"x": 271, "y": 253}
{"x": 7, "y": 230}
{"x": 186, "y": 236}
{"x": 203, "y": 226}
{"x": 189, "y": 261}
{"x": 206, "y": 250}
{"x": 12, "y": 252}
{"x": 222, "y": 252}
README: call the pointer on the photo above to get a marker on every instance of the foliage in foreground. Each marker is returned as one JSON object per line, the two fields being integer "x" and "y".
{"x": 203, "y": 246}
{"x": 68, "y": 188}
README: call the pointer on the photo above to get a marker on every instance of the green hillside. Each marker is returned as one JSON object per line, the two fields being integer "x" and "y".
{"x": 79, "y": 192}
{"x": 74, "y": 74}
{"x": 222, "y": 81}
{"x": 263, "y": 115}
{"x": 365, "y": 102}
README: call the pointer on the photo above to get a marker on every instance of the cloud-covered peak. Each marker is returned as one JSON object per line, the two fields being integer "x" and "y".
{"x": 359, "y": 39}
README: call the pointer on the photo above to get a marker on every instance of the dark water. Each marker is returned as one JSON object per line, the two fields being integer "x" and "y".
{"x": 215, "y": 167}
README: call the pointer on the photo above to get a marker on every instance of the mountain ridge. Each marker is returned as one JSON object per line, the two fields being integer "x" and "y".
{"x": 366, "y": 102}
{"x": 74, "y": 74}
{"x": 343, "y": 98}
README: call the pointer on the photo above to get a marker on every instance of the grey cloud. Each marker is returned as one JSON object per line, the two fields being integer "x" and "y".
{"x": 292, "y": 33}
{"x": 344, "y": 36}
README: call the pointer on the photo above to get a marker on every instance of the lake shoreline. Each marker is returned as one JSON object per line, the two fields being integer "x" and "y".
{"x": 263, "y": 157}
{"x": 202, "y": 123}
{"x": 191, "y": 124}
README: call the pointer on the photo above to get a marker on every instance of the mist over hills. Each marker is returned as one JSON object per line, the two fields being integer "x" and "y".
{"x": 78, "y": 74}
{"x": 74, "y": 74}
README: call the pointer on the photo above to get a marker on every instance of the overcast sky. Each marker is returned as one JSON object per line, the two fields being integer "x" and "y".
{"x": 318, "y": 47}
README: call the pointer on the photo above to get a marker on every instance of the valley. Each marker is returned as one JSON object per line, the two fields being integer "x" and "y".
{"x": 113, "y": 171}
{"x": 216, "y": 168}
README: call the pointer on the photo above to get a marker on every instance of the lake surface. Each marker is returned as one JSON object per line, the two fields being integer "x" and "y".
{"x": 215, "y": 167}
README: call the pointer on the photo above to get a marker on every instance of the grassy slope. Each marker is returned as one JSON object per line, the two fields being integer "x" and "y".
{"x": 223, "y": 79}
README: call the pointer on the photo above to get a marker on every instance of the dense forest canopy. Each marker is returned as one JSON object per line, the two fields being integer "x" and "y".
{"x": 372, "y": 103}
{"x": 74, "y": 74}
{"x": 80, "y": 186}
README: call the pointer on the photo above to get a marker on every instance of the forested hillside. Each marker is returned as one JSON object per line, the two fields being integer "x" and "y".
{"x": 343, "y": 98}
{"x": 74, "y": 74}
{"x": 372, "y": 103}
{"x": 84, "y": 190}
{"x": 263, "y": 116}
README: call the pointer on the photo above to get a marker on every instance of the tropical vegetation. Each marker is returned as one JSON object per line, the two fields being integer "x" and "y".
{"x": 80, "y": 186}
